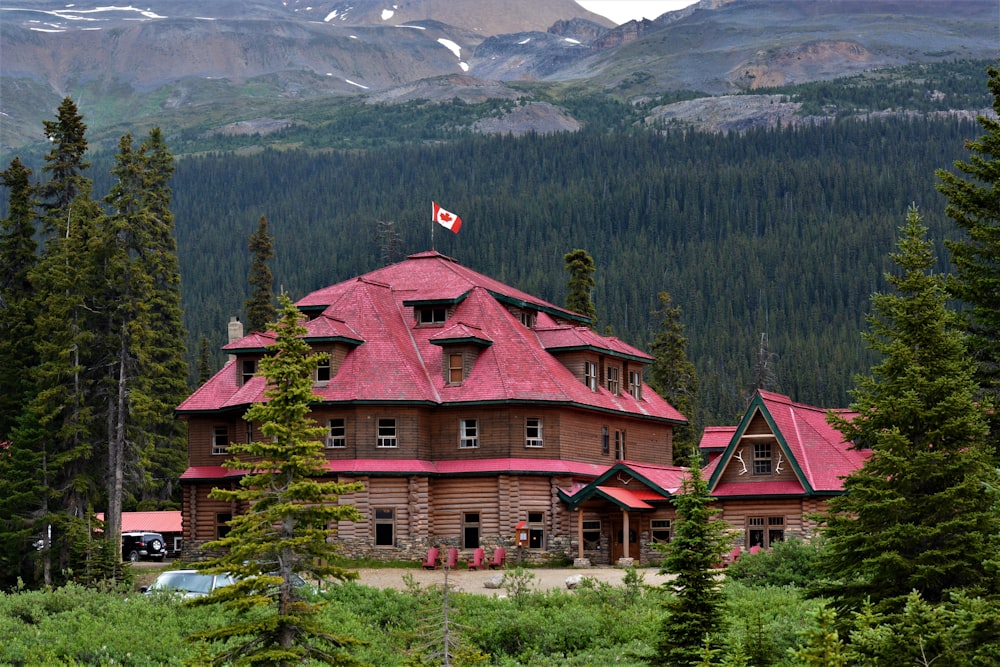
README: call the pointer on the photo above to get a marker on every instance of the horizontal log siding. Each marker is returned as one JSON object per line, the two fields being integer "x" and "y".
{"x": 794, "y": 511}
{"x": 581, "y": 435}
{"x": 452, "y": 498}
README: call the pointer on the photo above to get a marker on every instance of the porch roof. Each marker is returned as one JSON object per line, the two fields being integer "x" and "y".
{"x": 631, "y": 499}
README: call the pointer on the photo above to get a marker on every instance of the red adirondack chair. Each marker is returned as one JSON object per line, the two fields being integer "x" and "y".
{"x": 451, "y": 562}
{"x": 754, "y": 549}
{"x": 499, "y": 556}
{"x": 431, "y": 562}
{"x": 476, "y": 562}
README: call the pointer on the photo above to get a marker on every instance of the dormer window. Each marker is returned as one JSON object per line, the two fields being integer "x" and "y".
{"x": 762, "y": 458}
{"x": 635, "y": 384}
{"x": 590, "y": 375}
{"x": 456, "y": 368}
{"x": 527, "y": 318}
{"x": 614, "y": 382}
{"x": 323, "y": 371}
{"x": 429, "y": 315}
{"x": 248, "y": 368}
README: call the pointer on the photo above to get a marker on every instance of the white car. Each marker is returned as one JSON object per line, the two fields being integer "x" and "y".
{"x": 189, "y": 583}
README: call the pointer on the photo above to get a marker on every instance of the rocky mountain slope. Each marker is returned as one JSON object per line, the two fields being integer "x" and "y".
{"x": 182, "y": 63}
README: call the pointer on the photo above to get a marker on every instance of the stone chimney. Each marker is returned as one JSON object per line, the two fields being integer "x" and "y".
{"x": 235, "y": 332}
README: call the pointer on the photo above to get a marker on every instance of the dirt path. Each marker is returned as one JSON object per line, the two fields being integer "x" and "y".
{"x": 474, "y": 581}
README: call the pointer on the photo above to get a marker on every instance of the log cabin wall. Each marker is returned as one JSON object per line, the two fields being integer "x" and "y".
{"x": 793, "y": 512}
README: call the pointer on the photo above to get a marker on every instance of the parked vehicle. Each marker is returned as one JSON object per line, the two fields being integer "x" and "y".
{"x": 189, "y": 583}
{"x": 143, "y": 545}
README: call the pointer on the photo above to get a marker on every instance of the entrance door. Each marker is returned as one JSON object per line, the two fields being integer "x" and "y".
{"x": 618, "y": 541}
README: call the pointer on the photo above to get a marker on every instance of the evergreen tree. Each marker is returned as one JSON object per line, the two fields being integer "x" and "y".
{"x": 920, "y": 514}
{"x": 65, "y": 280}
{"x": 974, "y": 204}
{"x": 580, "y": 266}
{"x": 694, "y": 612}
{"x": 260, "y": 305}
{"x": 163, "y": 372}
{"x": 17, "y": 258}
{"x": 291, "y": 514}
{"x": 672, "y": 375}
{"x": 204, "y": 361}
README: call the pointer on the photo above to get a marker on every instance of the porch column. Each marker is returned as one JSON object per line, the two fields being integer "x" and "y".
{"x": 625, "y": 539}
{"x": 579, "y": 532}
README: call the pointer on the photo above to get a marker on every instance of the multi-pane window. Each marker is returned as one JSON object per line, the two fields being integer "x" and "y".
{"x": 536, "y": 530}
{"x": 762, "y": 458}
{"x": 385, "y": 527}
{"x": 592, "y": 534}
{"x": 470, "y": 530}
{"x": 527, "y": 318}
{"x": 620, "y": 445}
{"x": 533, "y": 432}
{"x": 605, "y": 441}
{"x": 635, "y": 384}
{"x": 386, "y": 432}
{"x": 765, "y": 531}
{"x": 432, "y": 315}
{"x": 220, "y": 440}
{"x": 590, "y": 375}
{"x": 614, "y": 383}
{"x": 247, "y": 370}
{"x": 660, "y": 530}
{"x": 323, "y": 371}
{"x": 249, "y": 430}
{"x": 336, "y": 436}
{"x": 456, "y": 371}
{"x": 468, "y": 433}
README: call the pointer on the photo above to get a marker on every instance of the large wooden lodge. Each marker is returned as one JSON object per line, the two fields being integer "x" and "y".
{"x": 477, "y": 415}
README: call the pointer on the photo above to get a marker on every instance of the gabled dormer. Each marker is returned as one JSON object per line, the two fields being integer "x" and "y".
{"x": 460, "y": 345}
{"x": 334, "y": 337}
{"x": 599, "y": 362}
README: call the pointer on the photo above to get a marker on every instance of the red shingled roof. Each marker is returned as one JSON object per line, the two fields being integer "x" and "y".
{"x": 396, "y": 360}
{"x": 816, "y": 451}
{"x": 423, "y": 467}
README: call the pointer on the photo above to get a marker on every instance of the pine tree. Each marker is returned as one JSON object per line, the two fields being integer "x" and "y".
{"x": 672, "y": 375}
{"x": 17, "y": 258}
{"x": 974, "y": 204}
{"x": 580, "y": 266}
{"x": 65, "y": 165}
{"x": 291, "y": 513}
{"x": 204, "y": 361}
{"x": 260, "y": 305}
{"x": 920, "y": 515}
{"x": 694, "y": 612}
{"x": 163, "y": 371}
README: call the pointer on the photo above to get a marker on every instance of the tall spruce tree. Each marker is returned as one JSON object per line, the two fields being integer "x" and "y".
{"x": 694, "y": 612}
{"x": 260, "y": 305}
{"x": 17, "y": 258}
{"x": 65, "y": 280}
{"x": 673, "y": 376}
{"x": 580, "y": 266}
{"x": 163, "y": 372}
{"x": 921, "y": 513}
{"x": 974, "y": 204}
{"x": 290, "y": 515}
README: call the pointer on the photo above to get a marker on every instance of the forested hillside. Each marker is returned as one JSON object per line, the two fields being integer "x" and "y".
{"x": 783, "y": 233}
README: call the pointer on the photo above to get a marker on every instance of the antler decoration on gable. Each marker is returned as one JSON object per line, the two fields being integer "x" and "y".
{"x": 624, "y": 480}
{"x": 777, "y": 468}
{"x": 739, "y": 457}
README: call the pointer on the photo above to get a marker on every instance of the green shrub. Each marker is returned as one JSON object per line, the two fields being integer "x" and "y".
{"x": 788, "y": 563}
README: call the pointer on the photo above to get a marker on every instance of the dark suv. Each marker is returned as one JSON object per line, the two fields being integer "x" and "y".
{"x": 143, "y": 545}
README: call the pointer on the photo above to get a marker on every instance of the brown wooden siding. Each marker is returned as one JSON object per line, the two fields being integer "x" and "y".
{"x": 744, "y": 448}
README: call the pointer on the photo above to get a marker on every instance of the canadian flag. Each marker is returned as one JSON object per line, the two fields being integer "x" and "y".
{"x": 446, "y": 219}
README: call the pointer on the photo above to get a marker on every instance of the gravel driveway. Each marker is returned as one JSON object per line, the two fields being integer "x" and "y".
{"x": 474, "y": 581}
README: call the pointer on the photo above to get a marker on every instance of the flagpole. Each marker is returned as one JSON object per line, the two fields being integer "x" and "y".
{"x": 433, "y": 223}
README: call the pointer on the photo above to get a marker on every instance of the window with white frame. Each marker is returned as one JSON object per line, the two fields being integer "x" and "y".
{"x": 386, "y": 432}
{"x": 220, "y": 440}
{"x": 527, "y": 318}
{"x": 590, "y": 375}
{"x": 336, "y": 436}
{"x": 249, "y": 431}
{"x": 468, "y": 433}
{"x": 533, "y": 432}
{"x": 635, "y": 384}
{"x": 762, "y": 458}
{"x": 613, "y": 380}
